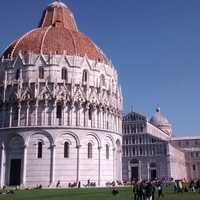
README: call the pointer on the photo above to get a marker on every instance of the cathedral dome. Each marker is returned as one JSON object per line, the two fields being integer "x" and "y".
{"x": 57, "y": 33}
{"x": 161, "y": 122}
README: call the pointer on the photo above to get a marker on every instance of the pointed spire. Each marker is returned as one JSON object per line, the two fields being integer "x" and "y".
{"x": 132, "y": 108}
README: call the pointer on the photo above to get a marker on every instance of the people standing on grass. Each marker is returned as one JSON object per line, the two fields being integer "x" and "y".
{"x": 160, "y": 190}
{"x": 58, "y": 184}
{"x": 140, "y": 191}
{"x": 198, "y": 185}
{"x": 192, "y": 186}
{"x": 79, "y": 184}
{"x": 134, "y": 189}
{"x": 149, "y": 191}
{"x": 175, "y": 186}
{"x": 143, "y": 190}
{"x": 153, "y": 191}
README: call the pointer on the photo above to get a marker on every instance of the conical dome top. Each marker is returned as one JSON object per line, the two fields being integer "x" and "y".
{"x": 57, "y": 13}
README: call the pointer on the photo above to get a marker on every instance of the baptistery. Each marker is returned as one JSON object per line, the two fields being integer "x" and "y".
{"x": 60, "y": 107}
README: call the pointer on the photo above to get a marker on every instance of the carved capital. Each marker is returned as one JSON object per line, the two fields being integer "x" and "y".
{"x": 3, "y": 147}
{"x": 19, "y": 105}
{"x": 28, "y": 105}
{"x": 78, "y": 146}
{"x": 94, "y": 106}
{"x": 99, "y": 148}
{"x": 52, "y": 146}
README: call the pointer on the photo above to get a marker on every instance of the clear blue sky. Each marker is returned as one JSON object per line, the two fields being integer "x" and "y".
{"x": 154, "y": 44}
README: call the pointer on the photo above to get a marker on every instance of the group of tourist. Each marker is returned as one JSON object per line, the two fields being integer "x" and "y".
{"x": 145, "y": 190}
{"x": 183, "y": 186}
{"x": 148, "y": 190}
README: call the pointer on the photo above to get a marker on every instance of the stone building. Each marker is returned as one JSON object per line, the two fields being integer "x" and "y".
{"x": 191, "y": 148}
{"x": 150, "y": 151}
{"x": 60, "y": 107}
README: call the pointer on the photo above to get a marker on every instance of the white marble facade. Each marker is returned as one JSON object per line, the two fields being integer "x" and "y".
{"x": 60, "y": 119}
{"x": 149, "y": 150}
{"x": 145, "y": 149}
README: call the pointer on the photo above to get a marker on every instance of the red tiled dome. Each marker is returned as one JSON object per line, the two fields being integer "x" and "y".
{"x": 57, "y": 34}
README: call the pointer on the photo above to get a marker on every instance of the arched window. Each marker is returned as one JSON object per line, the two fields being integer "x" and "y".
{"x": 102, "y": 80}
{"x": 64, "y": 74}
{"x": 85, "y": 76}
{"x": 89, "y": 150}
{"x": 39, "y": 155}
{"x": 59, "y": 111}
{"x": 66, "y": 150}
{"x": 107, "y": 152}
{"x": 41, "y": 72}
{"x": 17, "y": 74}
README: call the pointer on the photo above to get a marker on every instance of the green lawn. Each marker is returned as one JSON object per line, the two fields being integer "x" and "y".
{"x": 88, "y": 194}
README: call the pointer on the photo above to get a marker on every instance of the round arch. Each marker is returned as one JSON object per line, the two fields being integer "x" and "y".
{"x": 16, "y": 140}
{"x": 72, "y": 134}
{"x": 96, "y": 137}
{"x": 44, "y": 133}
{"x": 112, "y": 140}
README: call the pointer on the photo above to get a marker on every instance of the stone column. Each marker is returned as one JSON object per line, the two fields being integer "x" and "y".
{"x": 140, "y": 170}
{"x": 64, "y": 114}
{"x": 78, "y": 109}
{"x": 113, "y": 121}
{"x": 3, "y": 116}
{"x": 27, "y": 114}
{"x": 78, "y": 164}
{"x": 36, "y": 113}
{"x": 10, "y": 120}
{"x": 104, "y": 119}
{"x": 53, "y": 115}
{"x": 24, "y": 165}
{"x": 116, "y": 121}
{"x": 169, "y": 174}
{"x": 108, "y": 120}
{"x": 52, "y": 169}
{"x": 114, "y": 172}
{"x": 99, "y": 166}
{"x": 72, "y": 114}
{"x": 100, "y": 118}
{"x": 81, "y": 116}
{"x": 145, "y": 148}
{"x": 94, "y": 116}
{"x": 119, "y": 152}
{"x": 148, "y": 171}
{"x": 19, "y": 114}
{"x": 86, "y": 114}
{"x": 68, "y": 114}
{"x": 2, "y": 166}
{"x": 45, "y": 121}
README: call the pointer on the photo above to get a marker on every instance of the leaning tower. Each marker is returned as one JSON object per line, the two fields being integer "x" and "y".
{"x": 60, "y": 107}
